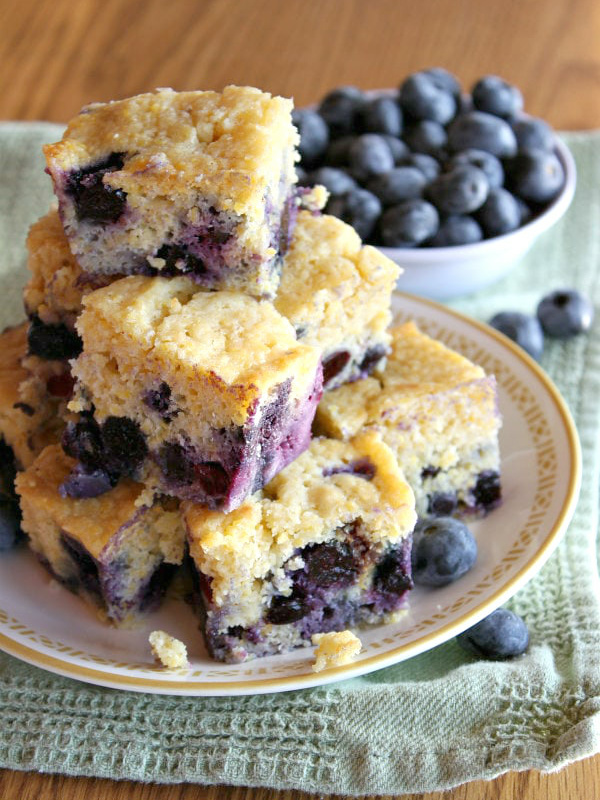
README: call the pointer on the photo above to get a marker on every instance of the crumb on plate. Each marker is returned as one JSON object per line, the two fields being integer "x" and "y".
{"x": 169, "y": 651}
{"x": 335, "y": 649}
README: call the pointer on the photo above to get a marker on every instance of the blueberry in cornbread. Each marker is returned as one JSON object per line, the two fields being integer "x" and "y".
{"x": 438, "y": 412}
{"x": 336, "y": 293}
{"x": 208, "y": 393}
{"x": 113, "y": 550}
{"x": 199, "y": 183}
{"x": 325, "y": 545}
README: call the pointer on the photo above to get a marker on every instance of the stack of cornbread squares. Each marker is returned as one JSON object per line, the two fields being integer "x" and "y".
{"x": 208, "y": 377}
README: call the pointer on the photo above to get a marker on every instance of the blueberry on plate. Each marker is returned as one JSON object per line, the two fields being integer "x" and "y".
{"x": 408, "y": 224}
{"x": 381, "y": 115}
{"x": 501, "y": 635}
{"x": 486, "y": 162}
{"x": 314, "y": 135}
{"x": 523, "y": 329}
{"x": 495, "y": 96}
{"x": 455, "y": 230}
{"x": 359, "y": 208}
{"x": 536, "y": 176}
{"x": 499, "y": 214}
{"x": 460, "y": 191}
{"x": 423, "y": 97}
{"x": 400, "y": 183}
{"x": 564, "y": 313}
{"x": 443, "y": 550}
{"x": 483, "y": 132}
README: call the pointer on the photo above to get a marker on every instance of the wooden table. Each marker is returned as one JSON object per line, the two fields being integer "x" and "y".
{"x": 57, "y": 55}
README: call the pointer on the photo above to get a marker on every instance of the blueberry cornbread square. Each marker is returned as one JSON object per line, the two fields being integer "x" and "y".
{"x": 337, "y": 293}
{"x": 117, "y": 554}
{"x": 439, "y": 414}
{"x": 200, "y": 183}
{"x": 207, "y": 393}
{"x": 28, "y": 411}
{"x": 325, "y": 545}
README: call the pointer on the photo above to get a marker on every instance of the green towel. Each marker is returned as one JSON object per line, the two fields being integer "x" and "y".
{"x": 426, "y": 724}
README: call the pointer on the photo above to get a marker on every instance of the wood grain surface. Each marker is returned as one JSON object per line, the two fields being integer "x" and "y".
{"x": 57, "y": 55}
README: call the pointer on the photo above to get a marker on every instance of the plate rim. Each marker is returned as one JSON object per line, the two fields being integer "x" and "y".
{"x": 271, "y": 683}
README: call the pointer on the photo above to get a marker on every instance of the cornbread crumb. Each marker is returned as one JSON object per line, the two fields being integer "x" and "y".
{"x": 169, "y": 651}
{"x": 335, "y": 649}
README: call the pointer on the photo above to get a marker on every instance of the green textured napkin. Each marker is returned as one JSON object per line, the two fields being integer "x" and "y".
{"x": 426, "y": 724}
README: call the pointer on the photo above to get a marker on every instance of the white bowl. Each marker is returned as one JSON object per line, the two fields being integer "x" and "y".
{"x": 442, "y": 273}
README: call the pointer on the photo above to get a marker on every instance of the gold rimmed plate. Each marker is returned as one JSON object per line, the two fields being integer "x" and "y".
{"x": 43, "y": 624}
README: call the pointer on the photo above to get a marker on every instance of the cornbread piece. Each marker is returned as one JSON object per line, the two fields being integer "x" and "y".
{"x": 438, "y": 412}
{"x": 324, "y": 546}
{"x": 213, "y": 386}
{"x": 28, "y": 412}
{"x": 180, "y": 182}
{"x": 171, "y": 652}
{"x": 337, "y": 293}
{"x": 335, "y": 649}
{"x": 114, "y": 553}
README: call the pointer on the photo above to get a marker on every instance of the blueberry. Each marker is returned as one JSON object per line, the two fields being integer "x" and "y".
{"x": 284, "y": 610}
{"x": 422, "y": 97}
{"x": 330, "y": 563}
{"x": 429, "y": 166}
{"x": 488, "y": 490}
{"x": 501, "y": 635}
{"x": 460, "y": 191}
{"x": 486, "y": 162}
{"x": 160, "y": 400}
{"x": 564, "y": 313}
{"x": 370, "y": 155}
{"x": 340, "y": 109}
{"x": 525, "y": 213}
{"x": 314, "y": 135}
{"x": 408, "y": 224}
{"x": 8, "y": 470}
{"x": 442, "y": 504}
{"x": 52, "y": 342}
{"x": 400, "y": 183}
{"x": 301, "y": 175}
{"x": 444, "y": 549}
{"x": 536, "y": 176}
{"x": 338, "y": 152}
{"x": 336, "y": 181}
{"x": 83, "y": 483}
{"x": 426, "y": 136}
{"x": 390, "y": 574}
{"x": 455, "y": 230}
{"x": 10, "y": 522}
{"x": 444, "y": 80}
{"x": 397, "y": 146}
{"x": 96, "y": 201}
{"x": 495, "y": 96}
{"x": 82, "y": 441}
{"x": 523, "y": 329}
{"x": 359, "y": 208}
{"x": 499, "y": 214}
{"x": 124, "y": 445}
{"x": 179, "y": 260}
{"x": 533, "y": 134}
{"x": 483, "y": 132}
{"x": 334, "y": 364}
{"x": 381, "y": 115}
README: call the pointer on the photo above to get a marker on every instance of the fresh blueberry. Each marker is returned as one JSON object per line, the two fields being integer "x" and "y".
{"x": 400, "y": 183}
{"x": 482, "y": 131}
{"x": 398, "y": 147}
{"x": 486, "y": 162}
{"x": 443, "y": 550}
{"x": 338, "y": 152}
{"x": 10, "y": 522}
{"x": 426, "y": 136}
{"x": 455, "y": 230}
{"x": 429, "y": 166}
{"x": 525, "y": 213}
{"x": 495, "y": 96}
{"x": 499, "y": 214}
{"x": 523, "y": 329}
{"x": 370, "y": 155}
{"x": 96, "y": 201}
{"x": 536, "y": 176}
{"x": 336, "y": 181}
{"x": 444, "y": 80}
{"x": 460, "y": 191}
{"x": 314, "y": 135}
{"x": 359, "y": 208}
{"x": 534, "y": 134}
{"x": 565, "y": 313}
{"x": 52, "y": 342}
{"x": 341, "y": 108}
{"x": 381, "y": 115}
{"x": 501, "y": 635}
{"x": 408, "y": 224}
{"x": 422, "y": 97}
{"x": 83, "y": 483}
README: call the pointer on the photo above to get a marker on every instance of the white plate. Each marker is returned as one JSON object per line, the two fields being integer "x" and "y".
{"x": 42, "y": 623}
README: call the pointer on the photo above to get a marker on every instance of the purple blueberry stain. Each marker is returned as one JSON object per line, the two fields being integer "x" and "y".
{"x": 96, "y": 201}
{"x": 160, "y": 400}
{"x": 361, "y": 467}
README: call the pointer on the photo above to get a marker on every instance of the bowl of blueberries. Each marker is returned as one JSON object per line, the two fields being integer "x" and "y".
{"x": 453, "y": 186}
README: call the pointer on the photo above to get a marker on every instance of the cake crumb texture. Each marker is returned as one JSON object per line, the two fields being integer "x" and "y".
{"x": 335, "y": 649}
